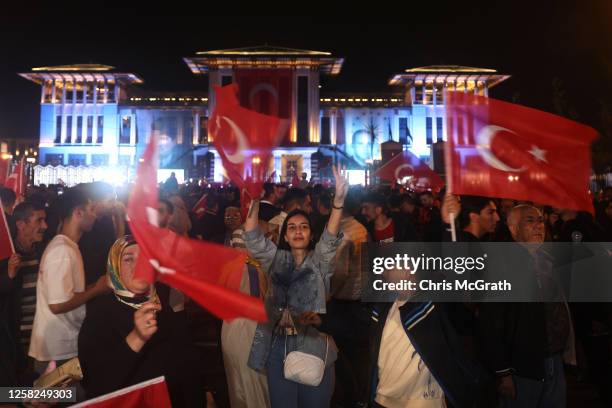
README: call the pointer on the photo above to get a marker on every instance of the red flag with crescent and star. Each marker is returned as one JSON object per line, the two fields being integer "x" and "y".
{"x": 409, "y": 171}
{"x": 203, "y": 271}
{"x": 266, "y": 91}
{"x": 244, "y": 139}
{"x": 499, "y": 149}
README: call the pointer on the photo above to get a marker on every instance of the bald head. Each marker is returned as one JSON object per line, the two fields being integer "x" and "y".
{"x": 526, "y": 224}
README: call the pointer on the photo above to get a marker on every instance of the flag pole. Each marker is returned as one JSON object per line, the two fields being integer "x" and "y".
{"x": 448, "y": 170}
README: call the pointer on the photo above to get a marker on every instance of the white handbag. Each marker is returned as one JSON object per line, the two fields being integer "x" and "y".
{"x": 305, "y": 368}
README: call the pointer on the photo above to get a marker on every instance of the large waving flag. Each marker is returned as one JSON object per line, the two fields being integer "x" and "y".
{"x": 499, "y": 149}
{"x": 408, "y": 170}
{"x": 201, "y": 270}
{"x": 244, "y": 139}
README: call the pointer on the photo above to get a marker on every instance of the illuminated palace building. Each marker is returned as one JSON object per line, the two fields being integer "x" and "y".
{"x": 94, "y": 116}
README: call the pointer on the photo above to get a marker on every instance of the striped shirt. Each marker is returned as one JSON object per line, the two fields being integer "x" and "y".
{"x": 29, "y": 274}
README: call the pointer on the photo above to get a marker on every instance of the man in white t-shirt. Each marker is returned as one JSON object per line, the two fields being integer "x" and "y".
{"x": 60, "y": 289}
{"x": 417, "y": 358}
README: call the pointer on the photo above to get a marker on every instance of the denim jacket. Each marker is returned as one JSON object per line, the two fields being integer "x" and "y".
{"x": 300, "y": 288}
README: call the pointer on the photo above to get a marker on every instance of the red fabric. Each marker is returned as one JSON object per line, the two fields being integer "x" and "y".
{"x": 266, "y": 91}
{"x": 499, "y": 149}
{"x": 201, "y": 270}
{"x": 199, "y": 209}
{"x": 385, "y": 235}
{"x": 17, "y": 180}
{"x": 406, "y": 164}
{"x": 244, "y": 139}
{"x": 150, "y": 394}
{"x": 245, "y": 204}
{"x": 6, "y": 243}
{"x": 5, "y": 168}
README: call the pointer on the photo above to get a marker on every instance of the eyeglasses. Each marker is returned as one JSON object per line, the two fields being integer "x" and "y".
{"x": 232, "y": 217}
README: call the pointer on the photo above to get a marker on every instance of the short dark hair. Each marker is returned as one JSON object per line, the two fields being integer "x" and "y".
{"x": 24, "y": 210}
{"x": 282, "y": 242}
{"x": 407, "y": 198}
{"x": 295, "y": 195}
{"x": 378, "y": 200}
{"x": 268, "y": 189}
{"x": 72, "y": 199}
{"x": 472, "y": 204}
{"x": 168, "y": 205}
{"x": 7, "y": 196}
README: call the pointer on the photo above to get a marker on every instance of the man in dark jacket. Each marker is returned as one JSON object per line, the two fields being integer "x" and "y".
{"x": 18, "y": 277}
{"x": 269, "y": 204}
{"x": 417, "y": 358}
{"x": 524, "y": 343}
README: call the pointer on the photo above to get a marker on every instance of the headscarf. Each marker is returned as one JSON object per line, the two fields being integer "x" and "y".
{"x": 122, "y": 293}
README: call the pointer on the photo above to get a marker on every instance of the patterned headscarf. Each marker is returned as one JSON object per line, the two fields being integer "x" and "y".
{"x": 122, "y": 293}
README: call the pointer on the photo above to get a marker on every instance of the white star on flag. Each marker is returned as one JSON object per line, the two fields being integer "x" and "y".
{"x": 538, "y": 154}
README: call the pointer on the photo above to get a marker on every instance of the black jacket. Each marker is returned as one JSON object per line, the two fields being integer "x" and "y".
{"x": 109, "y": 364}
{"x": 512, "y": 336}
{"x": 267, "y": 211}
{"x": 433, "y": 337}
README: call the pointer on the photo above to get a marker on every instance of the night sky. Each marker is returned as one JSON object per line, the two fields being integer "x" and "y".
{"x": 534, "y": 43}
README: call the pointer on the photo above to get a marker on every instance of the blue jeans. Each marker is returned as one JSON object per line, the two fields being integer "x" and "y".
{"x": 288, "y": 394}
{"x": 550, "y": 393}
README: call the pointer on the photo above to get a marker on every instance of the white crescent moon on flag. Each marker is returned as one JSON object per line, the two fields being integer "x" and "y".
{"x": 243, "y": 144}
{"x": 400, "y": 168}
{"x": 484, "y": 139}
{"x": 152, "y": 216}
{"x": 264, "y": 87}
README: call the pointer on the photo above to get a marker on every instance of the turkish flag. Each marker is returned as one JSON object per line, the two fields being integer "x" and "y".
{"x": 6, "y": 241}
{"x": 499, "y": 149}
{"x": 148, "y": 394}
{"x": 408, "y": 170}
{"x": 244, "y": 139}
{"x": 266, "y": 91}
{"x": 201, "y": 270}
{"x": 17, "y": 180}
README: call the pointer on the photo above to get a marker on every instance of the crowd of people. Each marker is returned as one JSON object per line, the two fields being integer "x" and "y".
{"x": 69, "y": 291}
